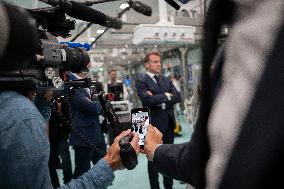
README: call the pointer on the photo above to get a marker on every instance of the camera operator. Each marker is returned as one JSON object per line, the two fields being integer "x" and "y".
{"x": 58, "y": 130}
{"x": 24, "y": 149}
{"x": 24, "y": 146}
{"x": 85, "y": 119}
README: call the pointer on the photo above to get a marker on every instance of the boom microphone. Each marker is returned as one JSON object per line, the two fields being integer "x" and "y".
{"x": 141, "y": 8}
{"x": 85, "y": 13}
{"x": 112, "y": 22}
{"x": 93, "y": 16}
{"x": 173, "y": 4}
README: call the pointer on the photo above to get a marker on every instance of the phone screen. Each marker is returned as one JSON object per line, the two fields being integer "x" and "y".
{"x": 140, "y": 120}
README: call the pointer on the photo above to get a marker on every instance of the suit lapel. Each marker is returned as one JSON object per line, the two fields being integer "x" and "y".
{"x": 152, "y": 85}
{"x": 163, "y": 84}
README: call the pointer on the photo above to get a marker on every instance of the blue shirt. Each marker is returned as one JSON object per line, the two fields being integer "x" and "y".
{"x": 24, "y": 149}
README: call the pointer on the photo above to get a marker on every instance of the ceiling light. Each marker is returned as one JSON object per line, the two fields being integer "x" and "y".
{"x": 124, "y": 6}
{"x": 100, "y": 31}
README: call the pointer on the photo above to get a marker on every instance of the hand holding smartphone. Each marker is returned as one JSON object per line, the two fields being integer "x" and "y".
{"x": 140, "y": 119}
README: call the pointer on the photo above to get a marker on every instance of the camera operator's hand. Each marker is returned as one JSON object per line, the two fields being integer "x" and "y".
{"x": 152, "y": 140}
{"x": 113, "y": 157}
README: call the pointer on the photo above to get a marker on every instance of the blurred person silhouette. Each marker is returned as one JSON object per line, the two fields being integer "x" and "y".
{"x": 168, "y": 73}
{"x": 59, "y": 131}
{"x": 175, "y": 78}
{"x": 85, "y": 119}
{"x": 43, "y": 102}
{"x": 116, "y": 86}
{"x": 176, "y": 82}
{"x": 238, "y": 139}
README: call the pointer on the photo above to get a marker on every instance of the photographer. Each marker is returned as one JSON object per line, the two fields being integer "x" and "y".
{"x": 24, "y": 146}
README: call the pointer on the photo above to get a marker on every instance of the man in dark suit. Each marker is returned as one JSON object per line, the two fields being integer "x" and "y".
{"x": 87, "y": 133}
{"x": 158, "y": 94}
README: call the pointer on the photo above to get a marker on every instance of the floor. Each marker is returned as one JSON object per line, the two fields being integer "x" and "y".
{"x": 138, "y": 178}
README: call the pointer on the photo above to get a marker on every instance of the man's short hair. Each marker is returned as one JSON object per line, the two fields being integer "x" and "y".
{"x": 147, "y": 57}
{"x": 112, "y": 70}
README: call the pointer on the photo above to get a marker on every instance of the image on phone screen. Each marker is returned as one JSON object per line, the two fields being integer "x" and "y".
{"x": 140, "y": 120}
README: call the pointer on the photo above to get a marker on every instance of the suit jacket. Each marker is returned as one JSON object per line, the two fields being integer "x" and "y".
{"x": 85, "y": 117}
{"x": 244, "y": 135}
{"x": 159, "y": 117}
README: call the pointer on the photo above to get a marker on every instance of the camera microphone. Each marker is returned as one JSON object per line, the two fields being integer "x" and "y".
{"x": 173, "y": 4}
{"x": 141, "y": 8}
{"x": 85, "y": 13}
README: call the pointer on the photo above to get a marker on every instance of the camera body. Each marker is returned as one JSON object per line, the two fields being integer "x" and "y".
{"x": 127, "y": 153}
{"x": 32, "y": 58}
{"x": 36, "y": 62}
{"x": 43, "y": 72}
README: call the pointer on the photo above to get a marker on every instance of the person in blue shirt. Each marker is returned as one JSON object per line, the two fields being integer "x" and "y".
{"x": 127, "y": 81}
{"x": 24, "y": 150}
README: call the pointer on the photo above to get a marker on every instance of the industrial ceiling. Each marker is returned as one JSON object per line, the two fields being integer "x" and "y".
{"x": 116, "y": 46}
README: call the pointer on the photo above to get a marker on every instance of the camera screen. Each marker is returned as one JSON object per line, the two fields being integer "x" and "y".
{"x": 140, "y": 122}
{"x": 117, "y": 90}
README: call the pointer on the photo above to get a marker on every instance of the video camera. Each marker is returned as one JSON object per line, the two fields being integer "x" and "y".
{"x": 32, "y": 57}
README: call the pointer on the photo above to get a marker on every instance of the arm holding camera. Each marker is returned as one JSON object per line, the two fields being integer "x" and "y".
{"x": 24, "y": 149}
{"x": 101, "y": 175}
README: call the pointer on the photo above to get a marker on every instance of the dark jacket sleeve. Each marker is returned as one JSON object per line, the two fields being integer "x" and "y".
{"x": 84, "y": 104}
{"x": 176, "y": 98}
{"x": 181, "y": 161}
{"x": 172, "y": 160}
{"x": 146, "y": 99}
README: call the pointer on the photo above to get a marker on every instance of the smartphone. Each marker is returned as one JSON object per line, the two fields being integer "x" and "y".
{"x": 140, "y": 119}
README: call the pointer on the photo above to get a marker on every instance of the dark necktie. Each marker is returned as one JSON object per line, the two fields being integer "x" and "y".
{"x": 157, "y": 78}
